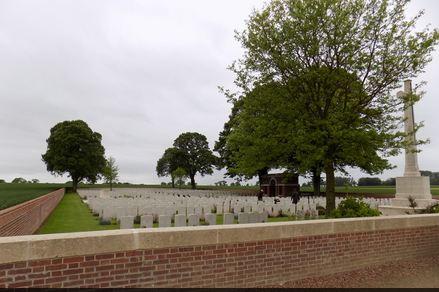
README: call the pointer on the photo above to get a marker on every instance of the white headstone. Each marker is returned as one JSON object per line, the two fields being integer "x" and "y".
{"x": 126, "y": 222}
{"x": 146, "y": 221}
{"x": 180, "y": 220}
{"x": 210, "y": 219}
{"x": 164, "y": 221}
{"x": 243, "y": 218}
{"x": 228, "y": 218}
{"x": 193, "y": 220}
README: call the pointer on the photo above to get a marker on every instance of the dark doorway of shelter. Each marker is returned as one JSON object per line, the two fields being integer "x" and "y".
{"x": 272, "y": 192}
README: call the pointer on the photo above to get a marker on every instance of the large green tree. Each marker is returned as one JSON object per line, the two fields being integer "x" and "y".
{"x": 172, "y": 159}
{"x": 336, "y": 62}
{"x": 197, "y": 156}
{"x": 256, "y": 138}
{"x": 73, "y": 148}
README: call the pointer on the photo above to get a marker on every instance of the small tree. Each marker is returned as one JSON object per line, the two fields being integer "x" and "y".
{"x": 169, "y": 162}
{"x": 73, "y": 148}
{"x": 19, "y": 180}
{"x": 180, "y": 175}
{"x": 111, "y": 172}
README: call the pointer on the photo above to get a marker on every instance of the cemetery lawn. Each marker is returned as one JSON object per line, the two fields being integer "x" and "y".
{"x": 72, "y": 215}
{"x": 14, "y": 194}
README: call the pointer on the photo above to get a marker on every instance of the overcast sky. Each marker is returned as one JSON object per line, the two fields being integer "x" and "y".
{"x": 138, "y": 72}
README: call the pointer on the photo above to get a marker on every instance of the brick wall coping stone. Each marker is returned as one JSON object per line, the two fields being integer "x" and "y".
{"x": 36, "y": 247}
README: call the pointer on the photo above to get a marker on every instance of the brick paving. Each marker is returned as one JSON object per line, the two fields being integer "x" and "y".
{"x": 417, "y": 273}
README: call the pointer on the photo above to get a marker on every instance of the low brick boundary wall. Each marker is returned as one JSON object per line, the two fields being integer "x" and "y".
{"x": 251, "y": 255}
{"x": 26, "y": 218}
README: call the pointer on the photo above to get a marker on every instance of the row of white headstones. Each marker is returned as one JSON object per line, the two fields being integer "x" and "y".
{"x": 188, "y": 207}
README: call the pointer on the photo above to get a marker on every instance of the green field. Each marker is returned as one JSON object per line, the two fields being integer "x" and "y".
{"x": 13, "y": 194}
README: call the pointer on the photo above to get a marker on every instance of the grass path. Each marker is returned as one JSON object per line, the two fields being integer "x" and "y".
{"x": 72, "y": 215}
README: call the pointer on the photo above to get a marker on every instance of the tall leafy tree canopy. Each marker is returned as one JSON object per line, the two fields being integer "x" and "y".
{"x": 73, "y": 148}
{"x": 251, "y": 142}
{"x": 326, "y": 69}
{"x": 197, "y": 156}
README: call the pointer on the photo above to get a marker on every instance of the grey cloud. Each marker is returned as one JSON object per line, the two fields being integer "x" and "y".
{"x": 138, "y": 72}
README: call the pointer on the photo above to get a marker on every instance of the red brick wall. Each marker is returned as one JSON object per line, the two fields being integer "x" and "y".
{"x": 251, "y": 264}
{"x": 26, "y": 218}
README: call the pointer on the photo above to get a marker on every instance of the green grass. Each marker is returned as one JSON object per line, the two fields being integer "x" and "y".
{"x": 14, "y": 194}
{"x": 72, "y": 215}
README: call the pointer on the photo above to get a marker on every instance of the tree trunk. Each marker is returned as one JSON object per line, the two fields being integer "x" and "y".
{"x": 173, "y": 181}
{"x": 193, "y": 181}
{"x": 316, "y": 178}
{"x": 111, "y": 185}
{"x": 75, "y": 184}
{"x": 330, "y": 187}
{"x": 261, "y": 173}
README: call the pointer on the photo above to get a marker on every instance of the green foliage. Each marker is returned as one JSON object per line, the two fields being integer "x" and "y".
{"x": 434, "y": 176}
{"x": 344, "y": 181}
{"x": 226, "y": 160}
{"x": 353, "y": 207}
{"x": 314, "y": 86}
{"x": 369, "y": 181}
{"x": 412, "y": 202}
{"x": 111, "y": 171}
{"x": 321, "y": 210}
{"x": 2, "y": 181}
{"x": 389, "y": 182}
{"x": 222, "y": 183}
{"x": 104, "y": 222}
{"x": 433, "y": 209}
{"x": 197, "y": 157}
{"x": 19, "y": 180}
{"x": 180, "y": 175}
{"x": 172, "y": 159}
{"x": 75, "y": 149}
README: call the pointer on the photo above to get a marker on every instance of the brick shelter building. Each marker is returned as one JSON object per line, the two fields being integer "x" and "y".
{"x": 280, "y": 184}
